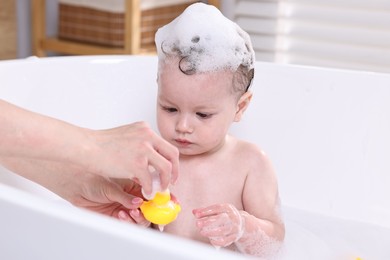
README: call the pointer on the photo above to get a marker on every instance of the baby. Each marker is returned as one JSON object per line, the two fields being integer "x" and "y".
{"x": 227, "y": 187}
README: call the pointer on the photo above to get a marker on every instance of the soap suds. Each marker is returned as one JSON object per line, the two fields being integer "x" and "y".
{"x": 205, "y": 40}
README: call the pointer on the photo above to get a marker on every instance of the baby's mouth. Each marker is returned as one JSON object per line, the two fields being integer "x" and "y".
{"x": 183, "y": 142}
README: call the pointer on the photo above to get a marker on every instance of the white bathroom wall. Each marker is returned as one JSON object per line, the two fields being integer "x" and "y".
{"x": 352, "y": 34}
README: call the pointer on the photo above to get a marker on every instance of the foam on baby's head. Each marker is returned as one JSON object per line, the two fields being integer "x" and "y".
{"x": 206, "y": 40}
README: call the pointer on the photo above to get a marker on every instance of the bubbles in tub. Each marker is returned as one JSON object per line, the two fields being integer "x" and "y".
{"x": 258, "y": 243}
{"x": 206, "y": 40}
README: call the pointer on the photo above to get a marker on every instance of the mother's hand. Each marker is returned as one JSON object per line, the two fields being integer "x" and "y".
{"x": 86, "y": 190}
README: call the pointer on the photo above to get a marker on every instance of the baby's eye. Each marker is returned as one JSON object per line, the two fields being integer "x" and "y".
{"x": 203, "y": 115}
{"x": 169, "y": 109}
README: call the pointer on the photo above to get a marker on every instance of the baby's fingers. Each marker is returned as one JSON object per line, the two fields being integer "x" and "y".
{"x": 210, "y": 210}
{"x": 222, "y": 241}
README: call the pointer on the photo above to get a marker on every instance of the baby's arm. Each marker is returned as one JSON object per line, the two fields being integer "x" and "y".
{"x": 263, "y": 225}
{"x": 256, "y": 230}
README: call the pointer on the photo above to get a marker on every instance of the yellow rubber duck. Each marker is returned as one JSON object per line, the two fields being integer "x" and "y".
{"x": 161, "y": 210}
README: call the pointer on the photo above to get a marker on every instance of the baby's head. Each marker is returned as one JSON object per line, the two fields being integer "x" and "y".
{"x": 204, "y": 41}
{"x": 206, "y": 65}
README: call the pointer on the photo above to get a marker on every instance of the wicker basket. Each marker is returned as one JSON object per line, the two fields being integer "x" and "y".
{"x": 90, "y": 25}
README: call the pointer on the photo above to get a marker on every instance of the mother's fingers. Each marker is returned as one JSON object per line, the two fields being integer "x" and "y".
{"x": 139, "y": 218}
{"x": 165, "y": 160}
{"x": 115, "y": 194}
{"x": 123, "y": 216}
{"x": 143, "y": 176}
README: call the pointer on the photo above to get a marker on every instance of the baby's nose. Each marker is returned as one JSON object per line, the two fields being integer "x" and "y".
{"x": 183, "y": 125}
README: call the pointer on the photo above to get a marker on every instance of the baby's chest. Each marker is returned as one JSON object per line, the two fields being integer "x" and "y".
{"x": 200, "y": 187}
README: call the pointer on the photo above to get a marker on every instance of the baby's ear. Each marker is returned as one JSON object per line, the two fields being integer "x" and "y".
{"x": 242, "y": 105}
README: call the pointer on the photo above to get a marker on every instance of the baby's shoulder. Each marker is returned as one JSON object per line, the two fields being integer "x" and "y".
{"x": 250, "y": 153}
{"x": 245, "y": 147}
{"x": 255, "y": 161}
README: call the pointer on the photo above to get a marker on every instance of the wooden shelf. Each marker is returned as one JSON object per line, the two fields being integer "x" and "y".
{"x": 41, "y": 43}
{"x": 132, "y": 38}
{"x": 78, "y": 48}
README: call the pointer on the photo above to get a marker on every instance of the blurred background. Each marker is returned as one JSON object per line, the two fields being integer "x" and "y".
{"x": 349, "y": 34}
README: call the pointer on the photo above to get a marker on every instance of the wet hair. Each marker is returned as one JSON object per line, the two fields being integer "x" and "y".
{"x": 243, "y": 78}
{"x": 188, "y": 65}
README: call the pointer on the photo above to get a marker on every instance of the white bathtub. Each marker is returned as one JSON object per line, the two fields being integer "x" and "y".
{"x": 327, "y": 132}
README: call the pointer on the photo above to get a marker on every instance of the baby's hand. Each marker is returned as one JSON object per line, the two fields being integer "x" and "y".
{"x": 221, "y": 223}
